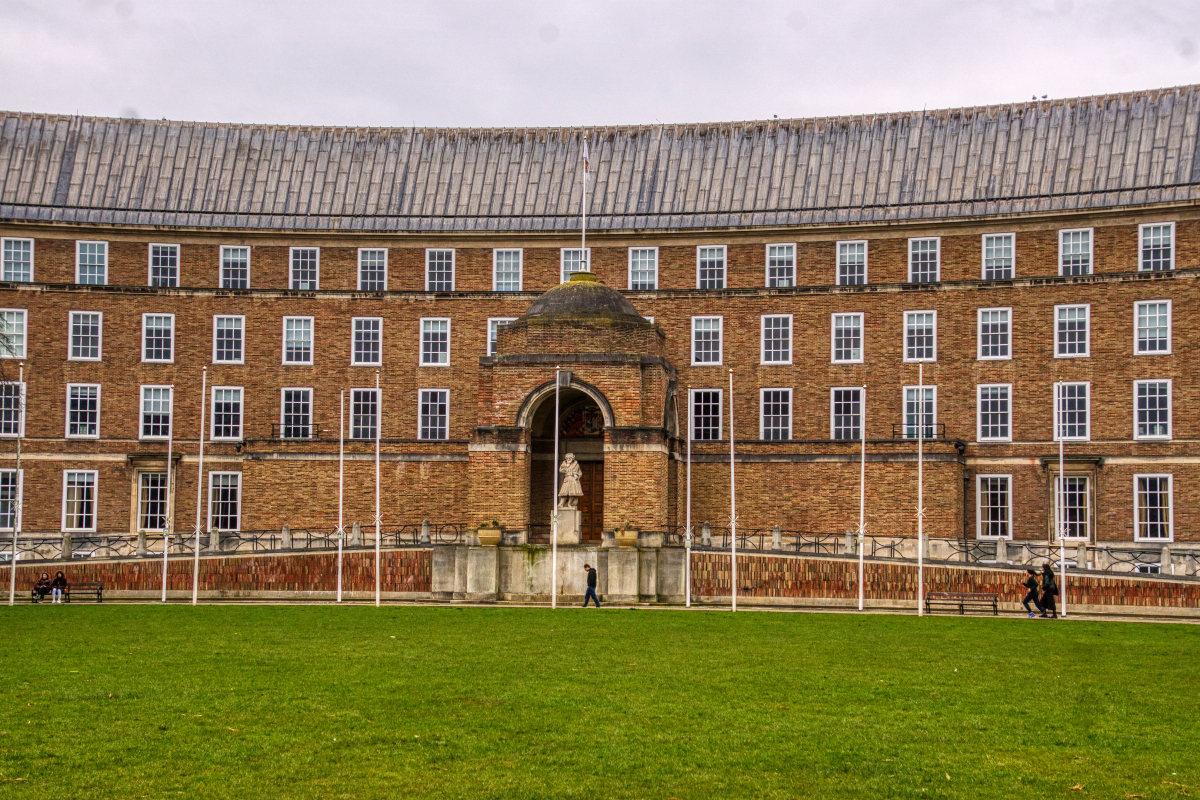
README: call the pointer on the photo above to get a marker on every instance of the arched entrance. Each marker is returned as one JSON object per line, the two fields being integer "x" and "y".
{"x": 581, "y": 431}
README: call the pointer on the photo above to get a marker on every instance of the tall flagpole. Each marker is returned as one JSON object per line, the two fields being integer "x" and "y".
{"x": 1060, "y": 390}
{"x": 341, "y": 528}
{"x": 199, "y": 488}
{"x": 862, "y": 494}
{"x": 554, "y": 501}
{"x": 19, "y": 489}
{"x": 687, "y": 530}
{"x": 921, "y": 491}
{"x": 378, "y": 517}
{"x": 583, "y": 224}
{"x": 170, "y": 473}
{"x": 732, "y": 507}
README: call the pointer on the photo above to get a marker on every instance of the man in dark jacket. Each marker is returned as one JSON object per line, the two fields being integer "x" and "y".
{"x": 1031, "y": 585}
{"x": 591, "y": 590}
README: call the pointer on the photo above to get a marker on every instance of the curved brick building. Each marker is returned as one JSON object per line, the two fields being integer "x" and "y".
{"x": 1013, "y": 254}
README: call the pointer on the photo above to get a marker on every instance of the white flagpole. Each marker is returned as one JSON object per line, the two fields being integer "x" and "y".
{"x": 1062, "y": 495}
{"x": 199, "y": 488}
{"x": 170, "y": 472}
{"x": 862, "y": 494}
{"x": 732, "y": 507}
{"x": 554, "y": 502}
{"x": 921, "y": 491}
{"x": 341, "y": 528}
{"x": 583, "y": 226}
{"x": 18, "y": 489}
{"x": 378, "y": 517}
{"x": 687, "y": 530}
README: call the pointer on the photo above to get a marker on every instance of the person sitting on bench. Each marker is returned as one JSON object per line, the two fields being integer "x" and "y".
{"x": 41, "y": 588}
{"x": 57, "y": 587}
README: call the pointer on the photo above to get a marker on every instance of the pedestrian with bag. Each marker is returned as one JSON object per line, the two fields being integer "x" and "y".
{"x": 1049, "y": 592}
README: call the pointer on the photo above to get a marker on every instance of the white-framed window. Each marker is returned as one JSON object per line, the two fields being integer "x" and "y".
{"x": 781, "y": 265}
{"x": 506, "y": 270}
{"x": 86, "y": 336}
{"x": 999, "y": 256}
{"x": 296, "y": 413}
{"x": 1152, "y": 327}
{"x": 776, "y": 335}
{"x": 434, "y": 414}
{"x": 435, "y": 342}
{"x": 16, "y": 255}
{"x": 845, "y": 413}
{"x": 710, "y": 267}
{"x": 229, "y": 346}
{"x": 83, "y": 410}
{"x": 306, "y": 269}
{"x": 79, "y": 500}
{"x": 995, "y": 412}
{"x": 1072, "y": 331}
{"x": 775, "y": 416}
{"x": 235, "y": 267}
{"x": 373, "y": 269}
{"x": 920, "y": 336}
{"x": 573, "y": 259}
{"x": 12, "y": 489}
{"x": 364, "y": 413}
{"x": 367, "y": 344}
{"x": 12, "y": 332}
{"x": 494, "y": 324}
{"x": 12, "y": 409}
{"x": 1152, "y": 409}
{"x": 924, "y": 260}
{"x": 706, "y": 414}
{"x": 1075, "y": 251}
{"x": 91, "y": 262}
{"x": 226, "y": 413}
{"x": 297, "y": 340}
{"x": 643, "y": 268}
{"x": 224, "y": 501}
{"x": 1157, "y": 246}
{"x": 706, "y": 340}
{"x": 1075, "y": 495}
{"x": 995, "y": 334}
{"x": 158, "y": 338}
{"x": 164, "y": 265}
{"x": 1072, "y": 403}
{"x": 1154, "y": 507}
{"x": 152, "y": 501}
{"x": 439, "y": 270}
{"x": 993, "y": 506}
{"x": 920, "y": 412}
{"x": 156, "y": 413}
{"x": 847, "y": 344}
{"x": 852, "y": 263}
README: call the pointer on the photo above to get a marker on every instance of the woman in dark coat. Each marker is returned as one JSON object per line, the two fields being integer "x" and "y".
{"x": 1049, "y": 592}
{"x": 41, "y": 588}
{"x": 58, "y": 586}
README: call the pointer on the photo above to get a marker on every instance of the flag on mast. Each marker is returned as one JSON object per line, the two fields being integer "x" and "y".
{"x": 586, "y": 161}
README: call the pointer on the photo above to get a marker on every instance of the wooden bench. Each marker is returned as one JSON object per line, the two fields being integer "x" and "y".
{"x": 84, "y": 587}
{"x": 963, "y": 601}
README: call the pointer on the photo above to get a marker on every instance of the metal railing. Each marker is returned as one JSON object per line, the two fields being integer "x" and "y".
{"x": 903, "y": 430}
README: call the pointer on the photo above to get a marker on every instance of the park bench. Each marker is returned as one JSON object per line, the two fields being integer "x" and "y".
{"x": 981, "y": 601}
{"x": 85, "y": 587}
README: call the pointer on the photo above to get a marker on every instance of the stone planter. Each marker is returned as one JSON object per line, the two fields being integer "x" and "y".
{"x": 489, "y": 537}
{"x": 625, "y": 538}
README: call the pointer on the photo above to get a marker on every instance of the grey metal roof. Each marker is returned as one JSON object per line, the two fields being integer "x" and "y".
{"x": 1084, "y": 153}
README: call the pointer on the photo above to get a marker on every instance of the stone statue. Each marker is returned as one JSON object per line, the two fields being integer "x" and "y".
{"x": 571, "y": 490}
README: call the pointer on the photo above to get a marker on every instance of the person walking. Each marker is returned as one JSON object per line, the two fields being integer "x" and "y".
{"x": 1031, "y": 586}
{"x": 591, "y": 587}
{"x": 57, "y": 587}
{"x": 1049, "y": 592}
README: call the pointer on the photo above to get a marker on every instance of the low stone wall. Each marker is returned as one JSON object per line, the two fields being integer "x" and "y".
{"x": 794, "y": 580}
{"x": 406, "y": 574}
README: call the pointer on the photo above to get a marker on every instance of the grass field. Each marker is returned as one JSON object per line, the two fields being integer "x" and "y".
{"x": 314, "y": 701}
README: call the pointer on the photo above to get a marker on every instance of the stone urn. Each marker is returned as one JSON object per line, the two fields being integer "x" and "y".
{"x": 625, "y": 538}
{"x": 489, "y": 537}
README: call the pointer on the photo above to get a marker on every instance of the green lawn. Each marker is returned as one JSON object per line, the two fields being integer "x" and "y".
{"x": 270, "y": 702}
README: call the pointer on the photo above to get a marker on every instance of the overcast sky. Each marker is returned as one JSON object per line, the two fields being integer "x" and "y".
{"x": 534, "y": 63}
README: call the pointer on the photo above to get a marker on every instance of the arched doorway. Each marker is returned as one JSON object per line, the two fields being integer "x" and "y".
{"x": 581, "y": 431}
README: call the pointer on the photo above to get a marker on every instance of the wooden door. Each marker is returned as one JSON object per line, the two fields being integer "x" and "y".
{"x": 591, "y": 505}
